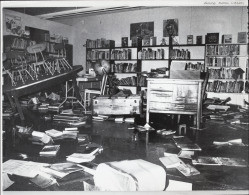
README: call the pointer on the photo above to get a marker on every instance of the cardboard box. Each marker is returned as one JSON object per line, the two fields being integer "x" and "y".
{"x": 117, "y": 106}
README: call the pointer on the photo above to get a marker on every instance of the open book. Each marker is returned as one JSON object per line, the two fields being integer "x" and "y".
{"x": 61, "y": 170}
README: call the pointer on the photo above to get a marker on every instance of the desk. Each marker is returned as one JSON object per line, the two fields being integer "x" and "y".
{"x": 174, "y": 96}
{"x": 36, "y": 86}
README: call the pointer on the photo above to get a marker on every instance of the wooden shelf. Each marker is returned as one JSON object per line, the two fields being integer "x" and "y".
{"x": 155, "y": 46}
{"x": 124, "y": 60}
{"x": 153, "y": 59}
{"x": 189, "y": 45}
{"x": 129, "y": 47}
{"x": 187, "y": 59}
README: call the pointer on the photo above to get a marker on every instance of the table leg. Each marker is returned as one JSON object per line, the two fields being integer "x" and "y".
{"x": 11, "y": 102}
{"x": 19, "y": 109}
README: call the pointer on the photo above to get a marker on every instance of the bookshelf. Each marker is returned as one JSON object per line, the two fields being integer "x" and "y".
{"x": 227, "y": 65}
{"x": 129, "y": 64}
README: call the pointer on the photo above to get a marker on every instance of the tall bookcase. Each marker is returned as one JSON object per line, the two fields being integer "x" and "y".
{"x": 130, "y": 63}
{"x": 227, "y": 65}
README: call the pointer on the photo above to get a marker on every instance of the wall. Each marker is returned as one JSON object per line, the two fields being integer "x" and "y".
{"x": 192, "y": 21}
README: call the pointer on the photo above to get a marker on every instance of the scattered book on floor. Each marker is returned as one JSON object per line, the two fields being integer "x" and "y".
{"x": 187, "y": 170}
{"x": 206, "y": 160}
{"x": 49, "y": 150}
{"x": 129, "y": 120}
{"x": 40, "y": 138}
{"x": 119, "y": 119}
{"x": 53, "y": 133}
{"x": 80, "y": 158}
{"x": 64, "y": 171}
{"x": 189, "y": 146}
{"x": 171, "y": 161}
{"x": 43, "y": 180}
{"x": 234, "y": 142}
{"x": 188, "y": 154}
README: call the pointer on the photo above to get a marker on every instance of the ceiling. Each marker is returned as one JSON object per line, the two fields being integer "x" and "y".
{"x": 60, "y": 12}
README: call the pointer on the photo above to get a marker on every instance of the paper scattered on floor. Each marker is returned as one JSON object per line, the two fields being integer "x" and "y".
{"x": 6, "y": 181}
{"x": 22, "y": 168}
{"x": 179, "y": 186}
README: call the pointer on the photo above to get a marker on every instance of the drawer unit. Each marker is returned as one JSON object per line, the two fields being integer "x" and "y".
{"x": 176, "y": 96}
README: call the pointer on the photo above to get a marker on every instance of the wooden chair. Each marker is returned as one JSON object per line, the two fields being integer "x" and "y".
{"x": 89, "y": 92}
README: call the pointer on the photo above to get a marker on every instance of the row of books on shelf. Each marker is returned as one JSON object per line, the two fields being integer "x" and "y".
{"x": 100, "y": 43}
{"x": 129, "y": 81}
{"x": 222, "y": 61}
{"x": 139, "y": 80}
{"x": 233, "y": 49}
{"x": 179, "y": 54}
{"x": 224, "y": 73}
{"x": 150, "y": 53}
{"x": 50, "y": 47}
{"x": 20, "y": 43}
{"x": 124, "y": 54}
{"x": 225, "y": 87}
{"x": 195, "y": 66}
{"x": 124, "y": 67}
{"x": 97, "y": 55}
{"x": 247, "y": 87}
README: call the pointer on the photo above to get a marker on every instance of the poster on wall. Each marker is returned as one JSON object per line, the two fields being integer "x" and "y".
{"x": 13, "y": 24}
{"x": 170, "y": 27}
{"x": 142, "y": 30}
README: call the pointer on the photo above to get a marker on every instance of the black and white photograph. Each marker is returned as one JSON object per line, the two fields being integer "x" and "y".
{"x": 115, "y": 97}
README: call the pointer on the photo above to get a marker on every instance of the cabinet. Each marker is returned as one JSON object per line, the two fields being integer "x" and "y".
{"x": 174, "y": 96}
{"x": 227, "y": 66}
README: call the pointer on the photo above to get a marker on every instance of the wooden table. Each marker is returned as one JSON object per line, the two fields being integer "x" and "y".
{"x": 174, "y": 96}
{"x": 35, "y": 86}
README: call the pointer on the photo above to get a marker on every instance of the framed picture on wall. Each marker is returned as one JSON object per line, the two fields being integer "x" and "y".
{"x": 124, "y": 41}
{"x": 190, "y": 39}
{"x": 212, "y": 38}
{"x": 198, "y": 40}
{"x": 142, "y": 29}
{"x": 227, "y": 38}
{"x": 170, "y": 27}
{"x": 13, "y": 24}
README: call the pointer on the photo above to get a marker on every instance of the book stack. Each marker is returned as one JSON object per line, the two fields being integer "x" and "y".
{"x": 49, "y": 150}
{"x": 73, "y": 120}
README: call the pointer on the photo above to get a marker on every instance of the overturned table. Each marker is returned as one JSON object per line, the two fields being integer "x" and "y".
{"x": 30, "y": 87}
